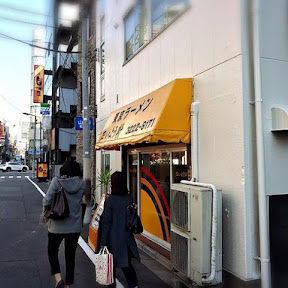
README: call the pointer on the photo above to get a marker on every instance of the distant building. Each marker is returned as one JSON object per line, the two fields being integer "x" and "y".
{"x": 61, "y": 62}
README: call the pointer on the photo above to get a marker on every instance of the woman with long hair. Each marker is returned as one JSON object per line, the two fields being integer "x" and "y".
{"x": 68, "y": 228}
{"x": 114, "y": 234}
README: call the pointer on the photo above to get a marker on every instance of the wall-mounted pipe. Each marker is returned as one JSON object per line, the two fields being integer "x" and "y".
{"x": 194, "y": 140}
{"x": 195, "y": 178}
{"x": 262, "y": 197}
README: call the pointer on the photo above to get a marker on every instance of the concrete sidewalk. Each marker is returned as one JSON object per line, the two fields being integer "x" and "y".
{"x": 149, "y": 271}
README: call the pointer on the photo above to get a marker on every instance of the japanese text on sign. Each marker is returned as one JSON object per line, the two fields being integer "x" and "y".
{"x": 141, "y": 108}
{"x": 114, "y": 133}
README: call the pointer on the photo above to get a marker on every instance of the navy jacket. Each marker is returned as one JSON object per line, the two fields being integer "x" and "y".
{"x": 114, "y": 233}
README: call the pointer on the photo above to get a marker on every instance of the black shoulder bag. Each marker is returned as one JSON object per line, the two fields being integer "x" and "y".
{"x": 133, "y": 221}
{"x": 59, "y": 207}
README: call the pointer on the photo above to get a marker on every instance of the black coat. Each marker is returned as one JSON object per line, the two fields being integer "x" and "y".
{"x": 114, "y": 233}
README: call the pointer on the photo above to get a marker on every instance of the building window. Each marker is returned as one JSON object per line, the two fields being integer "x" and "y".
{"x": 102, "y": 87}
{"x": 164, "y": 11}
{"x": 102, "y": 58}
{"x": 102, "y": 7}
{"x": 179, "y": 166}
{"x": 90, "y": 18}
{"x": 148, "y": 16}
{"x": 136, "y": 30}
{"x": 105, "y": 166}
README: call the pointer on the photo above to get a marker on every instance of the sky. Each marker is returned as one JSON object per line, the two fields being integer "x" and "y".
{"x": 15, "y": 57}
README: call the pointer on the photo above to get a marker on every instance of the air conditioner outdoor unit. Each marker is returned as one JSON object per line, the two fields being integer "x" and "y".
{"x": 191, "y": 229}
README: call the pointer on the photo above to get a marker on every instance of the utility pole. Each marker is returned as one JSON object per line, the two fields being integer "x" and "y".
{"x": 85, "y": 114}
{"x": 34, "y": 142}
{"x": 34, "y": 148}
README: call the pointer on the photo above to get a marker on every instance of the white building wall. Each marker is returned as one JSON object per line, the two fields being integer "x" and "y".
{"x": 274, "y": 65}
{"x": 203, "y": 43}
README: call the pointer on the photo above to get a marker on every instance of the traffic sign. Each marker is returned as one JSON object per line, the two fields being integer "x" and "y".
{"x": 79, "y": 123}
{"x": 45, "y": 109}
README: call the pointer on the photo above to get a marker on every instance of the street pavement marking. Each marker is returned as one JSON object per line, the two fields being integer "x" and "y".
{"x": 10, "y": 177}
{"x": 85, "y": 247}
{"x": 36, "y": 186}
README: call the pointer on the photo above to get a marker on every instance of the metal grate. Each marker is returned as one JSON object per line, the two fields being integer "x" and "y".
{"x": 179, "y": 252}
{"x": 179, "y": 211}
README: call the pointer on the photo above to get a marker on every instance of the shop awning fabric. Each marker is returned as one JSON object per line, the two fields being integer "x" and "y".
{"x": 163, "y": 115}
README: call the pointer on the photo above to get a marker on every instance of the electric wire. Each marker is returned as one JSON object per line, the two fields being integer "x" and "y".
{"x": 36, "y": 46}
{"x": 31, "y": 12}
{"x": 10, "y": 103}
{"x": 4, "y": 36}
{"x": 26, "y": 22}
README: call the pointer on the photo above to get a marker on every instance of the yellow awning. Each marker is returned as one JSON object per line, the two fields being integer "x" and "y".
{"x": 162, "y": 115}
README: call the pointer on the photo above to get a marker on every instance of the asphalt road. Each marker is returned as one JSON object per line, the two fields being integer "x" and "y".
{"x": 23, "y": 242}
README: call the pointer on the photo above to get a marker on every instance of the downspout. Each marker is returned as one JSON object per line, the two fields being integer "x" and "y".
{"x": 194, "y": 140}
{"x": 262, "y": 198}
{"x": 195, "y": 177}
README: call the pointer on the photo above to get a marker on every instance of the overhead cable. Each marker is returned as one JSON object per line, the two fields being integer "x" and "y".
{"x": 29, "y": 11}
{"x": 37, "y": 46}
{"x": 10, "y": 103}
{"x": 25, "y": 22}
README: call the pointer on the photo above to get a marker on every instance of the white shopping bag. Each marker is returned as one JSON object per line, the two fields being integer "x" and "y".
{"x": 104, "y": 267}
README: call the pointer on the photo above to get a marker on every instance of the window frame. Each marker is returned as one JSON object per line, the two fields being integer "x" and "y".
{"x": 151, "y": 37}
{"x": 102, "y": 58}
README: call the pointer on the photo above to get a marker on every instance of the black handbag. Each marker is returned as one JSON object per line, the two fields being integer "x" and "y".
{"x": 59, "y": 207}
{"x": 133, "y": 221}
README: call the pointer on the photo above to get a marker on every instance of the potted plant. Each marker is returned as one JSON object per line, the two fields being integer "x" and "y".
{"x": 104, "y": 179}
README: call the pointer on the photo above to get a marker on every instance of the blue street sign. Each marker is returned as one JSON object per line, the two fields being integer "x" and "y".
{"x": 79, "y": 123}
{"x": 45, "y": 112}
{"x": 30, "y": 151}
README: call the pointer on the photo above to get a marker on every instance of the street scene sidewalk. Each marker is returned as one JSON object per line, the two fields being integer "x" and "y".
{"x": 150, "y": 273}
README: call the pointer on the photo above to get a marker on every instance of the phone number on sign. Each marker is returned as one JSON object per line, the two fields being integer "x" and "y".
{"x": 146, "y": 124}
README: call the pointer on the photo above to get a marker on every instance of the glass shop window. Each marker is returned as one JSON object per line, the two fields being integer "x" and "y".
{"x": 179, "y": 166}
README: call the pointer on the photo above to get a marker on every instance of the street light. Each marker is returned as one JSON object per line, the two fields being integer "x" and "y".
{"x": 34, "y": 145}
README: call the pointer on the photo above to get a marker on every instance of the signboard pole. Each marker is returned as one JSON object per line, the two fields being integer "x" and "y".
{"x": 85, "y": 100}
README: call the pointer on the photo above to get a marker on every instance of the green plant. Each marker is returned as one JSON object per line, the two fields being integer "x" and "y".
{"x": 104, "y": 179}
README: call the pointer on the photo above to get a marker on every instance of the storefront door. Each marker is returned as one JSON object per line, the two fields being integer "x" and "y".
{"x": 150, "y": 175}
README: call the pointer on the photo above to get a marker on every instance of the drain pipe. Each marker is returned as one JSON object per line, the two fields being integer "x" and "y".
{"x": 194, "y": 140}
{"x": 195, "y": 177}
{"x": 262, "y": 197}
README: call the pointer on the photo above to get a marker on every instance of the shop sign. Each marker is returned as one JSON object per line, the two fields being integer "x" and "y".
{"x": 42, "y": 170}
{"x": 79, "y": 123}
{"x": 1, "y": 130}
{"x": 134, "y": 113}
{"x": 162, "y": 115}
{"x": 38, "y": 83}
{"x": 45, "y": 109}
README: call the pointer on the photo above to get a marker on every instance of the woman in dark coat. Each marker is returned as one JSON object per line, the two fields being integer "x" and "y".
{"x": 114, "y": 233}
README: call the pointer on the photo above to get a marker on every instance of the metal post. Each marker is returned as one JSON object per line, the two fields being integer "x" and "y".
{"x": 34, "y": 148}
{"x": 40, "y": 141}
{"x": 86, "y": 122}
